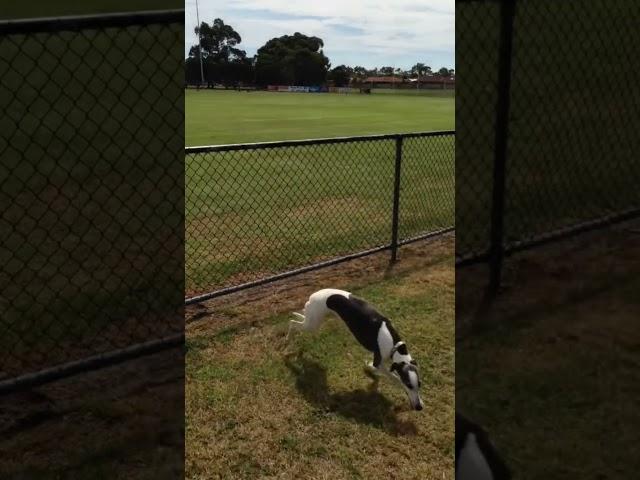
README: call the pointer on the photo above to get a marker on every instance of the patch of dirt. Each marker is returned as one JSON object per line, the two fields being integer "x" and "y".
{"x": 242, "y": 308}
{"x": 332, "y": 204}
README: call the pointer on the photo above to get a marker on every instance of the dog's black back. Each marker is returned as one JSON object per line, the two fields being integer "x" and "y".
{"x": 363, "y": 321}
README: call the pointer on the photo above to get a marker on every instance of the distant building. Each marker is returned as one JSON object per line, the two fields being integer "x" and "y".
{"x": 383, "y": 82}
{"x": 430, "y": 81}
{"x": 434, "y": 81}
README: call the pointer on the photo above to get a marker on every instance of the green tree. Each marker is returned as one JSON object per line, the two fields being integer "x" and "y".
{"x": 445, "y": 72}
{"x": 341, "y": 75}
{"x": 292, "y": 60}
{"x": 398, "y": 72}
{"x": 223, "y": 61}
{"x": 219, "y": 41}
{"x": 420, "y": 70}
{"x": 360, "y": 73}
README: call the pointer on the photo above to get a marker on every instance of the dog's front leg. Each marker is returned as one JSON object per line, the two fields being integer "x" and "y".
{"x": 371, "y": 370}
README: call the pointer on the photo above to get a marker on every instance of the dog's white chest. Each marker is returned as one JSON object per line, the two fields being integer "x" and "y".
{"x": 385, "y": 341}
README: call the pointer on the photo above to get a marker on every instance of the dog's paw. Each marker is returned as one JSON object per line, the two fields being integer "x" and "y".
{"x": 370, "y": 371}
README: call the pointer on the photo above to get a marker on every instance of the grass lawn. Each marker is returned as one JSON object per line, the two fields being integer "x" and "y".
{"x": 221, "y": 117}
{"x": 253, "y": 213}
{"x": 253, "y": 412}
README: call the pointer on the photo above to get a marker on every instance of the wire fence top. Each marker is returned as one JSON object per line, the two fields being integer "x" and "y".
{"x": 86, "y": 22}
{"x": 313, "y": 141}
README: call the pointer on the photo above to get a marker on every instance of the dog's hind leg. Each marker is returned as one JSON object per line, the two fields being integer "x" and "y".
{"x": 295, "y": 325}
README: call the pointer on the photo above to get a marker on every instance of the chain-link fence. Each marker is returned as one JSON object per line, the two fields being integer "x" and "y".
{"x": 547, "y": 103}
{"x": 91, "y": 256}
{"x": 259, "y": 212}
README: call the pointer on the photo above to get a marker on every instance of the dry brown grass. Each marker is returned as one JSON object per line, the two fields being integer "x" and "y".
{"x": 254, "y": 412}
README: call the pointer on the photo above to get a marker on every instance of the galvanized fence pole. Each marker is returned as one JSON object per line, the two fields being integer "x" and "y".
{"x": 496, "y": 252}
{"x": 396, "y": 199}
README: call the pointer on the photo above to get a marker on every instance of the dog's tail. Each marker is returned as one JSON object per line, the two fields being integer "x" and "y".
{"x": 305, "y": 311}
{"x": 311, "y": 315}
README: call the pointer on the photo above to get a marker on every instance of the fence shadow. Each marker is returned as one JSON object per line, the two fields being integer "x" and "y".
{"x": 368, "y": 407}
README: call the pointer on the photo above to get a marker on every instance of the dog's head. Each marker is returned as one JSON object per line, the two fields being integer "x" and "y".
{"x": 407, "y": 374}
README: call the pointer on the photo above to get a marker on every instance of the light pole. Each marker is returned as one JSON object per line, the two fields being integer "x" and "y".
{"x": 199, "y": 44}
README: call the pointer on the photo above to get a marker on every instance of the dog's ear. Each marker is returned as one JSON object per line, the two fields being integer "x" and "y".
{"x": 395, "y": 366}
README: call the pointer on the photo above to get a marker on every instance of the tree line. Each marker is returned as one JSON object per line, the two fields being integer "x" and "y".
{"x": 287, "y": 60}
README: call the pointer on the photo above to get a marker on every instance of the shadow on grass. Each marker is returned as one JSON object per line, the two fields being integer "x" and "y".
{"x": 366, "y": 407}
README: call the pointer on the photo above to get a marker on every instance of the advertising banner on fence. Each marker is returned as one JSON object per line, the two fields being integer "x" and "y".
{"x": 299, "y": 89}
{"x": 342, "y": 90}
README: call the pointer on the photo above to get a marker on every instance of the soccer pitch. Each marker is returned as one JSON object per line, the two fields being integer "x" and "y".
{"x": 222, "y": 117}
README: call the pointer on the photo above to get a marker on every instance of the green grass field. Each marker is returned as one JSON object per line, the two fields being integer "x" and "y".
{"x": 249, "y": 214}
{"x": 222, "y": 117}
{"x": 252, "y": 411}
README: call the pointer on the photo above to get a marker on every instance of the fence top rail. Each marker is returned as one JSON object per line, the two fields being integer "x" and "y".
{"x": 312, "y": 141}
{"x": 90, "y": 22}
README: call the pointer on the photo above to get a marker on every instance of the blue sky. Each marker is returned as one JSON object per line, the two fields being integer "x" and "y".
{"x": 371, "y": 33}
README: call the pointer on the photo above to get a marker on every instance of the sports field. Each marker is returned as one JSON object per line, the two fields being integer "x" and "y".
{"x": 252, "y": 213}
{"x": 222, "y": 117}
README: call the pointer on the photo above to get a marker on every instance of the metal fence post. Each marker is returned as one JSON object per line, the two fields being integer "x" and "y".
{"x": 396, "y": 199}
{"x": 496, "y": 253}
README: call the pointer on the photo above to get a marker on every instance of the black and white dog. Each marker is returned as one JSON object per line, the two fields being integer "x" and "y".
{"x": 476, "y": 457}
{"x": 375, "y": 332}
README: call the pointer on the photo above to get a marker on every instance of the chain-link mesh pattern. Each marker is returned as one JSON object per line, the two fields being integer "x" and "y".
{"x": 92, "y": 192}
{"x": 574, "y": 99}
{"x": 427, "y": 185}
{"x": 477, "y": 42}
{"x": 574, "y": 84}
{"x": 253, "y": 212}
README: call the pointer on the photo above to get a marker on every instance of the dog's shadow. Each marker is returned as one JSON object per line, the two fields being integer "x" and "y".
{"x": 363, "y": 406}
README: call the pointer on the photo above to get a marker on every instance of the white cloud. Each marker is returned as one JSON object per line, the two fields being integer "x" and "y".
{"x": 368, "y": 32}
